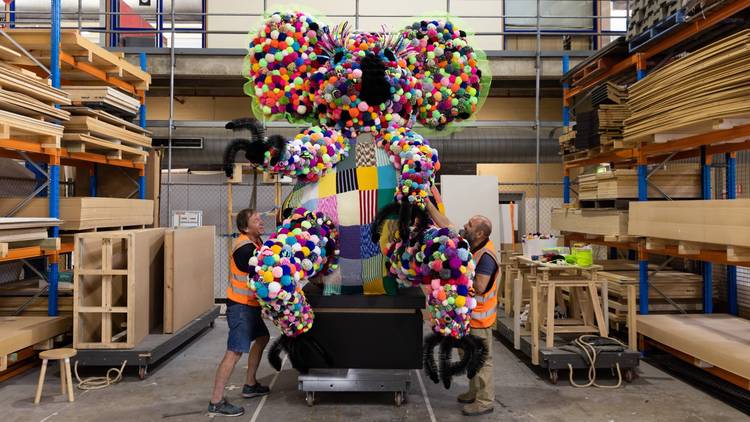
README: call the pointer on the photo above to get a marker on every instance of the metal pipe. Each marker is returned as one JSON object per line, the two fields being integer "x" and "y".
{"x": 79, "y": 15}
{"x": 537, "y": 119}
{"x": 171, "y": 109}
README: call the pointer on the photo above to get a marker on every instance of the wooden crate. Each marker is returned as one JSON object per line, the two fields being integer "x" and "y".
{"x": 117, "y": 287}
{"x": 188, "y": 275}
{"x": 605, "y": 222}
{"x": 81, "y": 213}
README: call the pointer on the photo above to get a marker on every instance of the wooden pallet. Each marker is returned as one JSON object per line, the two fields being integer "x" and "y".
{"x": 117, "y": 287}
{"x": 77, "y": 49}
{"x": 101, "y": 124}
{"x": 80, "y": 142}
{"x": 15, "y": 126}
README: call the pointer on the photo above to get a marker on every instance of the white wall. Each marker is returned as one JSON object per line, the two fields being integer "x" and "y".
{"x": 467, "y": 196}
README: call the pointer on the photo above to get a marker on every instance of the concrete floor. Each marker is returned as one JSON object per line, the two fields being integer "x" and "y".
{"x": 179, "y": 389}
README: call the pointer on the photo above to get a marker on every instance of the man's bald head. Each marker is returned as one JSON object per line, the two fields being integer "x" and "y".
{"x": 477, "y": 230}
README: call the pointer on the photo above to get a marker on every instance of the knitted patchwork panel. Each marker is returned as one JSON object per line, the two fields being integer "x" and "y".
{"x": 351, "y": 194}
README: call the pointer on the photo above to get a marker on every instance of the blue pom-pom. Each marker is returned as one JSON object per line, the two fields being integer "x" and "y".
{"x": 462, "y": 290}
{"x": 286, "y": 280}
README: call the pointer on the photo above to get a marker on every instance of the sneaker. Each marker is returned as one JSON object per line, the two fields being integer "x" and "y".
{"x": 466, "y": 398}
{"x": 476, "y": 409}
{"x": 257, "y": 390}
{"x": 224, "y": 408}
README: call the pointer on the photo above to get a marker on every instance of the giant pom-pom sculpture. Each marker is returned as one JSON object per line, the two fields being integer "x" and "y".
{"x": 345, "y": 83}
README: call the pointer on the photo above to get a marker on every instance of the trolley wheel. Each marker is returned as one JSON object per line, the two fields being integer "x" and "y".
{"x": 399, "y": 398}
{"x": 142, "y": 372}
{"x": 553, "y": 376}
{"x": 630, "y": 375}
{"x": 211, "y": 324}
{"x": 310, "y": 398}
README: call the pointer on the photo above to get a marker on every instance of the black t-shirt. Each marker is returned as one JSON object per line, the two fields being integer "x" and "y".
{"x": 242, "y": 256}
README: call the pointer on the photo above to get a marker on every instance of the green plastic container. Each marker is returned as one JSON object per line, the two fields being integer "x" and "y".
{"x": 584, "y": 256}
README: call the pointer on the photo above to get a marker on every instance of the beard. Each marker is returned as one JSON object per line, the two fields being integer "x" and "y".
{"x": 466, "y": 235}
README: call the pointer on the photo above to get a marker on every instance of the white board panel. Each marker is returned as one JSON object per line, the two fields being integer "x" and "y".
{"x": 467, "y": 196}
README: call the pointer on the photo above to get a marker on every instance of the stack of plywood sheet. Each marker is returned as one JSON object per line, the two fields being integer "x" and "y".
{"x": 587, "y": 189}
{"x": 104, "y": 97}
{"x": 97, "y": 130}
{"x": 693, "y": 94}
{"x": 611, "y": 123}
{"x": 24, "y": 332}
{"x": 694, "y": 226}
{"x": 604, "y": 222}
{"x": 118, "y": 287}
{"x": 16, "y": 233}
{"x": 623, "y": 184}
{"x": 83, "y": 213}
{"x": 188, "y": 275}
{"x": 25, "y": 293}
{"x": 26, "y": 102}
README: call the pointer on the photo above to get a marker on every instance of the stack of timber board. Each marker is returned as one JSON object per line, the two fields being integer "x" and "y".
{"x": 118, "y": 287}
{"x": 83, "y": 213}
{"x": 76, "y": 49}
{"x": 587, "y": 189}
{"x": 26, "y": 103}
{"x": 104, "y": 97}
{"x": 611, "y": 123}
{"x": 567, "y": 140}
{"x": 188, "y": 275}
{"x": 646, "y": 13}
{"x": 604, "y": 222}
{"x": 600, "y": 117}
{"x": 15, "y": 294}
{"x": 695, "y": 225}
{"x": 19, "y": 333}
{"x": 685, "y": 289}
{"x": 707, "y": 89}
{"x": 97, "y": 130}
{"x": 17, "y": 233}
{"x": 623, "y": 184}
{"x": 717, "y": 343}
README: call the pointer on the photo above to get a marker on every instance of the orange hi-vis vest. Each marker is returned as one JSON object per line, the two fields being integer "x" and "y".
{"x": 485, "y": 313}
{"x": 239, "y": 290}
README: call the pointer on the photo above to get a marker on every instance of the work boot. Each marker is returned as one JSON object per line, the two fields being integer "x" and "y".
{"x": 466, "y": 398}
{"x": 224, "y": 408}
{"x": 250, "y": 391}
{"x": 476, "y": 409}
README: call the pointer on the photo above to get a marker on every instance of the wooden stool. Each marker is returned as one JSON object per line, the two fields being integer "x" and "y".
{"x": 66, "y": 381}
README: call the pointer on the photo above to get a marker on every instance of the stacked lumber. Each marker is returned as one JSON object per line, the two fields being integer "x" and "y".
{"x": 105, "y": 98}
{"x": 623, "y": 184}
{"x": 611, "y": 124}
{"x": 118, "y": 287}
{"x": 96, "y": 130}
{"x": 19, "y": 333}
{"x": 75, "y": 47}
{"x": 695, "y": 225}
{"x": 17, "y": 233}
{"x": 567, "y": 140}
{"x": 684, "y": 289}
{"x": 26, "y": 102}
{"x": 647, "y": 13}
{"x": 600, "y": 117}
{"x": 604, "y": 222}
{"x": 587, "y": 189}
{"x": 693, "y": 94}
{"x": 83, "y": 213}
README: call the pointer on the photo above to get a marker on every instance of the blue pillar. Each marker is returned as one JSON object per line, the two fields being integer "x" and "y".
{"x": 566, "y": 189}
{"x": 566, "y": 109}
{"x": 93, "y": 180}
{"x": 642, "y": 182}
{"x": 142, "y": 187}
{"x": 731, "y": 269}
{"x": 643, "y": 286}
{"x": 54, "y": 169}
{"x": 708, "y": 268}
{"x": 142, "y": 110}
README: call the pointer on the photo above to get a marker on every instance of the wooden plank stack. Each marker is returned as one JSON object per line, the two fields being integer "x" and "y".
{"x": 603, "y": 222}
{"x": 18, "y": 233}
{"x": 695, "y": 225}
{"x": 19, "y": 333}
{"x": 15, "y": 294}
{"x": 623, "y": 184}
{"x": 97, "y": 130}
{"x": 693, "y": 94}
{"x": 600, "y": 117}
{"x": 84, "y": 213}
{"x": 684, "y": 289}
{"x": 117, "y": 287}
{"x": 27, "y": 102}
{"x": 105, "y": 98}
{"x": 587, "y": 189}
